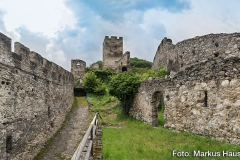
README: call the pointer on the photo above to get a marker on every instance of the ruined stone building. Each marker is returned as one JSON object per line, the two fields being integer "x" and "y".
{"x": 95, "y": 66}
{"x": 113, "y": 57}
{"x": 35, "y": 95}
{"x": 203, "y": 94}
{"x": 78, "y": 69}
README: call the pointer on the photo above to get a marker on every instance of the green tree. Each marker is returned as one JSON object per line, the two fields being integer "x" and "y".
{"x": 140, "y": 63}
{"x": 92, "y": 84}
{"x": 100, "y": 89}
{"x": 104, "y": 75}
{"x": 124, "y": 86}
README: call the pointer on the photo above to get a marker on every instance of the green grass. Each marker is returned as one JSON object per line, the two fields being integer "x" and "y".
{"x": 102, "y": 102}
{"x": 130, "y": 139}
{"x": 81, "y": 101}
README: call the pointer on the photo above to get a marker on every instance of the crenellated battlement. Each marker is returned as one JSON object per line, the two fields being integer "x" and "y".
{"x": 30, "y": 61}
{"x": 113, "y": 38}
{"x": 35, "y": 94}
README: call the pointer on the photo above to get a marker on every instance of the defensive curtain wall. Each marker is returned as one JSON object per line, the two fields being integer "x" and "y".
{"x": 35, "y": 95}
{"x": 203, "y": 97}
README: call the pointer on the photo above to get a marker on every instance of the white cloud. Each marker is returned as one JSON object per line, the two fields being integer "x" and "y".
{"x": 79, "y": 33}
{"x": 55, "y": 54}
{"x": 44, "y": 16}
{"x": 205, "y": 17}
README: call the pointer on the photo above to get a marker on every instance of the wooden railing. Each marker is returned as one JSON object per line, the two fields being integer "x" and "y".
{"x": 89, "y": 135}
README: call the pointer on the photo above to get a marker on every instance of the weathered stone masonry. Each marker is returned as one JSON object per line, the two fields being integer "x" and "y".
{"x": 192, "y": 51}
{"x": 35, "y": 95}
{"x": 113, "y": 57}
{"x": 203, "y": 98}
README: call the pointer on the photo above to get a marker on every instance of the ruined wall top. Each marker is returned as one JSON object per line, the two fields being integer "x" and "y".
{"x": 192, "y": 51}
{"x": 6, "y": 42}
{"x": 31, "y": 62}
{"x": 114, "y": 38}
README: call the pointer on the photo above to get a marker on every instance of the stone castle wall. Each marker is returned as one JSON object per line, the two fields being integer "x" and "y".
{"x": 204, "y": 100}
{"x": 192, "y": 51}
{"x": 112, "y": 51}
{"x": 35, "y": 95}
{"x": 123, "y": 64}
{"x": 203, "y": 97}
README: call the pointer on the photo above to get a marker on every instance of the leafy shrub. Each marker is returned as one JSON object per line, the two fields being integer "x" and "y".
{"x": 140, "y": 63}
{"x": 104, "y": 75}
{"x": 124, "y": 86}
{"x": 160, "y": 72}
{"x": 100, "y": 89}
{"x": 92, "y": 84}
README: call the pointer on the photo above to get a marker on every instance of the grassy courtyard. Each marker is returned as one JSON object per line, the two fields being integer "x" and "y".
{"x": 125, "y": 138}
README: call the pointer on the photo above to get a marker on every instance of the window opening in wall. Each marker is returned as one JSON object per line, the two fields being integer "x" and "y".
{"x": 3, "y": 82}
{"x": 205, "y": 99}
{"x": 124, "y": 69}
{"x": 9, "y": 144}
{"x": 49, "y": 111}
{"x": 7, "y": 83}
{"x": 216, "y": 44}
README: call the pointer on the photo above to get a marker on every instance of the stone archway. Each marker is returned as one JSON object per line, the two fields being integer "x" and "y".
{"x": 124, "y": 69}
{"x": 157, "y": 103}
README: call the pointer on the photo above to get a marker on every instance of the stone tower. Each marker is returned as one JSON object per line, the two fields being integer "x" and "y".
{"x": 112, "y": 51}
{"x": 78, "y": 69}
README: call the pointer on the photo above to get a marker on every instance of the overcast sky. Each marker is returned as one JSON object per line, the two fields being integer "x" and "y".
{"x": 61, "y": 30}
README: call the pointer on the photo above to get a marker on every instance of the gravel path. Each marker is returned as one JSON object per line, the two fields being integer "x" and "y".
{"x": 65, "y": 144}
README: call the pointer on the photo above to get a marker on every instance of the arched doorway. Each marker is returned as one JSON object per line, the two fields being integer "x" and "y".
{"x": 157, "y": 103}
{"x": 124, "y": 69}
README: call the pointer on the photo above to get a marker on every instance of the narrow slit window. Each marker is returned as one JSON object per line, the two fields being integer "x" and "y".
{"x": 205, "y": 99}
{"x": 9, "y": 144}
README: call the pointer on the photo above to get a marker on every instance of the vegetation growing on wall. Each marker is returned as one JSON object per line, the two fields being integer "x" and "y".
{"x": 142, "y": 68}
{"x": 104, "y": 75}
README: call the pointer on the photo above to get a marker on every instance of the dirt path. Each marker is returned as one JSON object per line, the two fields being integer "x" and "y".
{"x": 65, "y": 144}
